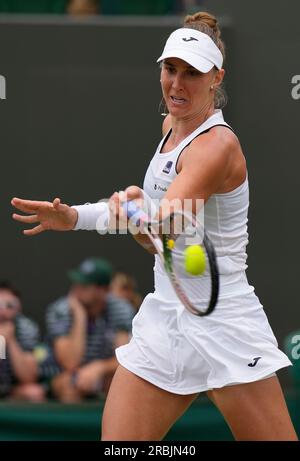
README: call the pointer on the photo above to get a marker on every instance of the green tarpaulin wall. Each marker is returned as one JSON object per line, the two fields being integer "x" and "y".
{"x": 56, "y": 422}
{"x": 33, "y": 6}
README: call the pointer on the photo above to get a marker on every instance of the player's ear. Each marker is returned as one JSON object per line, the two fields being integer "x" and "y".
{"x": 219, "y": 76}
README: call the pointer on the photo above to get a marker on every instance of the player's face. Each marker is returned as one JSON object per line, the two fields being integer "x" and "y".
{"x": 9, "y": 306}
{"x": 186, "y": 90}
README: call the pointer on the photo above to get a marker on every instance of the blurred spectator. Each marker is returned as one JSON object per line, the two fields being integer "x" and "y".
{"x": 124, "y": 286}
{"x": 84, "y": 329}
{"x": 83, "y": 7}
{"x": 19, "y": 370}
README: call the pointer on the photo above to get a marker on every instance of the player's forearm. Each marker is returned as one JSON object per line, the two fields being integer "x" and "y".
{"x": 23, "y": 363}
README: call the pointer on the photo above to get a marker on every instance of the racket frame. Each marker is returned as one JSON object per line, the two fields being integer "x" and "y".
{"x": 160, "y": 242}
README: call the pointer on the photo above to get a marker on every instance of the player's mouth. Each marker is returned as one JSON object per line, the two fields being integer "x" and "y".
{"x": 177, "y": 100}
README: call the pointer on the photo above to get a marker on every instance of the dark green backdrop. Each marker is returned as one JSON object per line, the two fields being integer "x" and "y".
{"x": 81, "y": 120}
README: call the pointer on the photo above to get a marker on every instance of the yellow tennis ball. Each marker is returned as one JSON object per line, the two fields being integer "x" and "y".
{"x": 194, "y": 259}
{"x": 171, "y": 244}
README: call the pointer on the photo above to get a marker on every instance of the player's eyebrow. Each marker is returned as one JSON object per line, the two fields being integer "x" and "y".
{"x": 168, "y": 63}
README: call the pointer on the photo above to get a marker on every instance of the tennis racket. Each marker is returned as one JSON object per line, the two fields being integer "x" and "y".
{"x": 171, "y": 238}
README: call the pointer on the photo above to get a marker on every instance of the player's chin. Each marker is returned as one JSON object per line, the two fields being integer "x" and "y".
{"x": 177, "y": 111}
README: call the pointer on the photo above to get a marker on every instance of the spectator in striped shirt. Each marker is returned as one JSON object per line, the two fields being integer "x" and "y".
{"x": 84, "y": 328}
{"x": 18, "y": 368}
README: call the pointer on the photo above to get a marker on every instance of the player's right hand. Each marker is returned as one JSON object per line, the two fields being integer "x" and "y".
{"x": 48, "y": 215}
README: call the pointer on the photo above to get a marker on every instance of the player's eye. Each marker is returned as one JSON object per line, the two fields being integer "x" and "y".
{"x": 193, "y": 72}
{"x": 170, "y": 70}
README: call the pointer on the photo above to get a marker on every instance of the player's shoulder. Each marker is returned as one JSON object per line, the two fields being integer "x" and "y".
{"x": 218, "y": 141}
{"x": 221, "y": 135}
{"x": 218, "y": 149}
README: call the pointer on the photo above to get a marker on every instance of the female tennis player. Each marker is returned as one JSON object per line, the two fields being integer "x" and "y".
{"x": 174, "y": 355}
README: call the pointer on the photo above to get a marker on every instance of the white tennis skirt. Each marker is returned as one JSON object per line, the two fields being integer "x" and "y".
{"x": 185, "y": 354}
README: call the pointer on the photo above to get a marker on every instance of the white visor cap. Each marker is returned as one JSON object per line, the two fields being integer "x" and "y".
{"x": 193, "y": 47}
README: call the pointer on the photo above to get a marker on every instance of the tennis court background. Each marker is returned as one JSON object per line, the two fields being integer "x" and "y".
{"x": 81, "y": 120}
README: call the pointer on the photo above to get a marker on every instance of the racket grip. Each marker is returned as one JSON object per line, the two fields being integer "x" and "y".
{"x": 134, "y": 213}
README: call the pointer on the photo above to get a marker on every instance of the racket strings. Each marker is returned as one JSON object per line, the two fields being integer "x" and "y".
{"x": 194, "y": 290}
{"x": 197, "y": 288}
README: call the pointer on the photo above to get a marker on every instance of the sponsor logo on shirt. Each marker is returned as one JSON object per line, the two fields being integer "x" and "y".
{"x": 167, "y": 167}
{"x": 160, "y": 188}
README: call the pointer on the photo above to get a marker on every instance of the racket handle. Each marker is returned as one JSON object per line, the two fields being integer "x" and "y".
{"x": 134, "y": 213}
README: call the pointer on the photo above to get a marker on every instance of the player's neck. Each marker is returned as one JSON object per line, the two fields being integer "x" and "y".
{"x": 183, "y": 127}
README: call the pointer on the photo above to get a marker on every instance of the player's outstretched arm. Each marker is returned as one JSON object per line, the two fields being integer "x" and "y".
{"x": 46, "y": 215}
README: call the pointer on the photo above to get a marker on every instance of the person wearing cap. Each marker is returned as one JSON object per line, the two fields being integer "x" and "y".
{"x": 232, "y": 354}
{"x": 84, "y": 328}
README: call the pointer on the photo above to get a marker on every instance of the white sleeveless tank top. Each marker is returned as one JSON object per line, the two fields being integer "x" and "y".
{"x": 225, "y": 215}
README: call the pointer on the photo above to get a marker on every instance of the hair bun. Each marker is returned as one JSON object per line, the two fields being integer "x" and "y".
{"x": 202, "y": 17}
